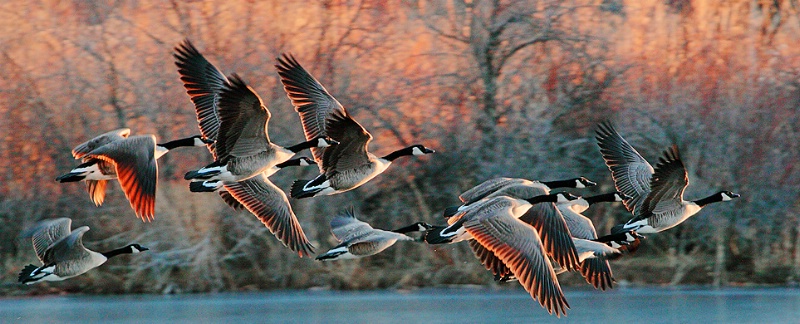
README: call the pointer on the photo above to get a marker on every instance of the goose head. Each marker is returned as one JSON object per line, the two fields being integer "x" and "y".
{"x": 201, "y": 141}
{"x": 304, "y": 161}
{"x": 136, "y": 248}
{"x": 323, "y": 141}
{"x": 565, "y": 197}
{"x": 583, "y": 183}
{"x": 416, "y": 227}
{"x": 618, "y": 196}
{"x": 420, "y": 150}
{"x": 727, "y": 195}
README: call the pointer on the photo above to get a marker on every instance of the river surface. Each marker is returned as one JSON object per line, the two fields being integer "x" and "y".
{"x": 620, "y": 305}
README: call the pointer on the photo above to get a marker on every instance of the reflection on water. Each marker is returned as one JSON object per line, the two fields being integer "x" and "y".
{"x": 656, "y": 305}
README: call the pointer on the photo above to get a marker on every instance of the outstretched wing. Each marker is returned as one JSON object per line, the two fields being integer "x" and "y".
{"x": 345, "y": 226}
{"x": 243, "y": 121}
{"x": 47, "y": 232}
{"x": 351, "y": 152}
{"x": 518, "y": 246}
{"x": 203, "y": 82}
{"x": 630, "y": 171}
{"x": 310, "y": 99}
{"x": 137, "y": 171}
{"x": 270, "y": 205}
{"x": 84, "y": 148}
{"x": 668, "y": 184}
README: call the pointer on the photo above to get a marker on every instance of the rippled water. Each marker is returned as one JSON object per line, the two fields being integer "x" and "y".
{"x": 655, "y": 305}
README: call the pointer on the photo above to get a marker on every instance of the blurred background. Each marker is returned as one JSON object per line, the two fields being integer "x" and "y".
{"x": 498, "y": 88}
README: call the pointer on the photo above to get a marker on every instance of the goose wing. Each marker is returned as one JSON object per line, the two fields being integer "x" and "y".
{"x": 669, "y": 182}
{"x": 597, "y": 272}
{"x": 486, "y": 188}
{"x": 47, "y": 232}
{"x": 270, "y": 205}
{"x": 228, "y": 199}
{"x": 137, "y": 171}
{"x": 556, "y": 238}
{"x": 68, "y": 248}
{"x": 243, "y": 121}
{"x": 310, "y": 99}
{"x": 97, "y": 190}
{"x": 579, "y": 226}
{"x": 370, "y": 244}
{"x": 203, "y": 82}
{"x": 351, "y": 152}
{"x": 489, "y": 260}
{"x": 345, "y": 226}
{"x": 84, "y": 148}
{"x": 630, "y": 171}
{"x": 518, "y": 246}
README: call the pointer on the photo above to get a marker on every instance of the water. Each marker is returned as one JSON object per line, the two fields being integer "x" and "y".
{"x": 655, "y": 305}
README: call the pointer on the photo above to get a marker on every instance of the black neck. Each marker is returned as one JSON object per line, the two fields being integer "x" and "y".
{"x": 542, "y": 198}
{"x": 707, "y": 200}
{"x": 619, "y": 237}
{"x": 189, "y": 141}
{"x": 303, "y": 146}
{"x": 113, "y": 253}
{"x": 601, "y": 198}
{"x": 401, "y": 152}
{"x": 292, "y": 162}
{"x": 560, "y": 184}
{"x": 408, "y": 229}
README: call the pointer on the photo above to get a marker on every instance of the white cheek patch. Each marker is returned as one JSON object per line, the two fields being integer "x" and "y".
{"x": 417, "y": 151}
{"x": 617, "y": 198}
{"x": 579, "y": 184}
{"x": 198, "y": 142}
{"x": 560, "y": 198}
{"x": 725, "y": 197}
{"x": 303, "y": 162}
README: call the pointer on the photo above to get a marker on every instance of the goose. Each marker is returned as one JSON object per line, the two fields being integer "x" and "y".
{"x": 495, "y": 226}
{"x": 116, "y": 153}
{"x": 62, "y": 253}
{"x": 345, "y": 166}
{"x": 601, "y": 249}
{"x": 203, "y": 82}
{"x": 543, "y": 216}
{"x": 494, "y": 185}
{"x": 657, "y": 194}
{"x": 242, "y": 146}
{"x": 232, "y": 113}
{"x": 593, "y": 252}
{"x": 357, "y": 239}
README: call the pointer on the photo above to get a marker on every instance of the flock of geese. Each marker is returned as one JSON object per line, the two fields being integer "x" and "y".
{"x": 517, "y": 228}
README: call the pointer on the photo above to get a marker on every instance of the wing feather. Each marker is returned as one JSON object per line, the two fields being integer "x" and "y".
{"x": 630, "y": 171}
{"x": 270, "y": 205}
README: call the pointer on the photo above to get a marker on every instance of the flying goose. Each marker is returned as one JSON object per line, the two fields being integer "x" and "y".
{"x": 494, "y": 185}
{"x": 657, "y": 194}
{"x": 242, "y": 146}
{"x": 232, "y": 113}
{"x": 358, "y": 239}
{"x": 543, "y": 216}
{"x": 345, "y": 166}
{"x": 62, "y": 253}
{"x": 495, "y": 225}
{"x": 115, "y": 153}
{"x": 203, "y": 82}
{"x": 605, "y": 248}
